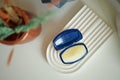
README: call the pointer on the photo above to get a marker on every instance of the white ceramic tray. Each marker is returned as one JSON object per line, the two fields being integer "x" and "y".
{"x": 95, "y": 32}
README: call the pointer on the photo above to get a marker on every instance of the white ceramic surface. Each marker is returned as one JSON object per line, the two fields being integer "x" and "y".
{"x": 116, "y": 5}
{"x": 118, "y": 24}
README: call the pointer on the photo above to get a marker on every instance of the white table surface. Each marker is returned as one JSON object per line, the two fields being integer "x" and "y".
{"x": 29, "y": 62}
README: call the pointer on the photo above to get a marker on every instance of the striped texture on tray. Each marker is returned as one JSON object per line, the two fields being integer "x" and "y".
{"x": 95, "y": 32}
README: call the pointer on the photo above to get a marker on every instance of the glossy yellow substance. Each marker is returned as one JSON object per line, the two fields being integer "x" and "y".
{"x": 73, "y": 53}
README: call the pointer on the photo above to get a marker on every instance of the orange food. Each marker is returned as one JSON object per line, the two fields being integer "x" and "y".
{"x": 6, "y": 1}
{"x": 3, "y": 15}
{"x": 22, "y": 14}
{"x": 53, "y": 3}
{"x": 10, "y": 57}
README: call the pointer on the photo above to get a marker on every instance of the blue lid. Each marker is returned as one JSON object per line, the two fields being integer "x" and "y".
{"x": 66, "y": 38}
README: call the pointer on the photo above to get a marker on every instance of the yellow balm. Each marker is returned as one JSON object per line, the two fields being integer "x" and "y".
{"x": 73, "y": 53}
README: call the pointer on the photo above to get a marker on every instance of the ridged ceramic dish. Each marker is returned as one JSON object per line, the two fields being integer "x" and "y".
{"x": 95, "y": 32}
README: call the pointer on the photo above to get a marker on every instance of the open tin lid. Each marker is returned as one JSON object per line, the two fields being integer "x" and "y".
{"x": 71, "y": 52}
{"x": 66, "y": 38}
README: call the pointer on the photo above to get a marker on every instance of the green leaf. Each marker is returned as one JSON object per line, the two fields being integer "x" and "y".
{"x": 1, "y": 22}
{"x": 34, "y": 23}
{"x": 5, "y": 32}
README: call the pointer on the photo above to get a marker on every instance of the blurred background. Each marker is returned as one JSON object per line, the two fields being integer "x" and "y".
{"x": 29, "y": 60}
